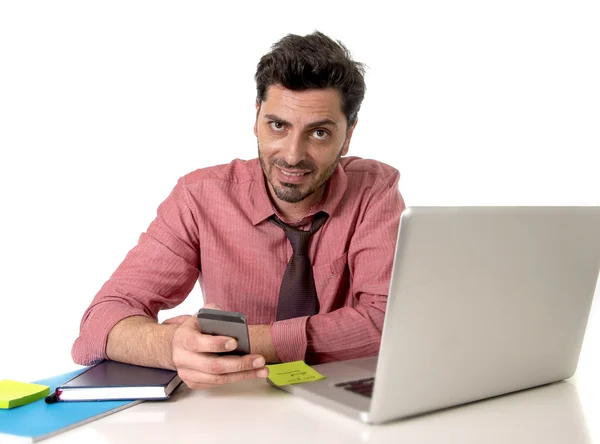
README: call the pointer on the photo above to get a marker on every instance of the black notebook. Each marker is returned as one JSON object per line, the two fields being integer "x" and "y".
{"x": 112, "y": 380}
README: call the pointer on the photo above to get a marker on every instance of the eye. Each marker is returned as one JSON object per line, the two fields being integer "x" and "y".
{"x": 320, "y": 134}
{"x": 276, "y": 126}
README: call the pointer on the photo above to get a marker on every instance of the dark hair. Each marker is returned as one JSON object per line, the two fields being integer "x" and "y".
{"x": 313, "y": 61}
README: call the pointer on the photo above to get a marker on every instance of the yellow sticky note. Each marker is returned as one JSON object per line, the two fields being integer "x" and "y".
{"x": 15, "y": 393}
{"x": 289, "y": 373}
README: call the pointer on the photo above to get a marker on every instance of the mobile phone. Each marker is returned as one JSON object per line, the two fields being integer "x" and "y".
{"x": 226, "y": 323}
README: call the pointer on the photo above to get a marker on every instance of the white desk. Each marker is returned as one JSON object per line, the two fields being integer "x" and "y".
{"x": 254, "y": 412}
{"x": 251, "y": 412}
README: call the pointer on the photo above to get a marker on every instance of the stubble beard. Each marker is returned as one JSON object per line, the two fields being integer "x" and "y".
{"x": 291, "y": 192}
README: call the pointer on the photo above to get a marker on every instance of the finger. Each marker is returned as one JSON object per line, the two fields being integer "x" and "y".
{"x": 199, "y": 380}
{"x": 190, "y": 338}
{"x": 215, "y": 365}
{"x": 218, "y": 365}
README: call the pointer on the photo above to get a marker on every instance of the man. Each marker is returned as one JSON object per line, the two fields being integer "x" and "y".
{"x": 228, "y": 227}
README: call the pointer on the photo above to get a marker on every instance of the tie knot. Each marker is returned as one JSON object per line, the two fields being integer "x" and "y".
{"x": 299, "y": 238}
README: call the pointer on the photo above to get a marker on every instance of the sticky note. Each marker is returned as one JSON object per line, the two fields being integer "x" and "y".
{"x": 15, "y": 393}
{"x": 289, "y": 373}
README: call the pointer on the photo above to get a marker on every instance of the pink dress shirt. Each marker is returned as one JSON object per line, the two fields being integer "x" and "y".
{"x": 214, "y": 227}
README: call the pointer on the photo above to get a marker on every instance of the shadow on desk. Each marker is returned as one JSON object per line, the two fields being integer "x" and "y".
{"x": 547, "y": 414}
{"x": 253, "y": 412}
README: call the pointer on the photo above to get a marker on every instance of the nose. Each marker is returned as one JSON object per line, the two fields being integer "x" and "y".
{"x": 295, "y": 149}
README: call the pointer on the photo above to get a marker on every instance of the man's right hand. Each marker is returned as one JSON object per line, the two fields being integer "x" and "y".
{"x": 194, "y": 358}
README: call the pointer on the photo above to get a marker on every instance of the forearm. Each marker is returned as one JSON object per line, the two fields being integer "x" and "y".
{"x": 140, "y": 340}
{"x": 346, "y": 333}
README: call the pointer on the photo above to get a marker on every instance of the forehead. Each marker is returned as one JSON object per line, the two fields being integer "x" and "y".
{"x": 312, "y": 104}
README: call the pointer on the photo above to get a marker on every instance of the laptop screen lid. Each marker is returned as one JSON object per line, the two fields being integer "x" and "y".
{"x": 484, "y": 301}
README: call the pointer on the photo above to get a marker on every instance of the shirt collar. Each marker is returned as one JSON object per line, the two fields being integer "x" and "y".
{"x": 262, "y": 208}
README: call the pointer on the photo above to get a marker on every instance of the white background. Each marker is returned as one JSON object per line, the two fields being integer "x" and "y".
{"x": 104, "y": 105}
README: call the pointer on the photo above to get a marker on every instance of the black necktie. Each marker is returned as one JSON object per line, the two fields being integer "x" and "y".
{"x": 298, "y": 295}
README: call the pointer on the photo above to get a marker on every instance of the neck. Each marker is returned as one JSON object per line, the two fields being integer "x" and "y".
{"x": 295, "y": 212}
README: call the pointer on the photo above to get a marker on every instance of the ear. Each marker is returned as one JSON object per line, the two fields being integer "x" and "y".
{"x": 348, "y": 137}
{"x": 257, "y": 105}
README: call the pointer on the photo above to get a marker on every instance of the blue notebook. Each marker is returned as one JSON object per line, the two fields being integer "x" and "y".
{"x": 39, "y": 420}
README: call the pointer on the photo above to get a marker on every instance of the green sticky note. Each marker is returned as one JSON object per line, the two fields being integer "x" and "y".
{"x": 15, "y": 393}
{"x": 289, "y": 373}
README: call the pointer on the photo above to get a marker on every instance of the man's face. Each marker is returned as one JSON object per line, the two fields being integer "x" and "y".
{"x": 301, "y": 137}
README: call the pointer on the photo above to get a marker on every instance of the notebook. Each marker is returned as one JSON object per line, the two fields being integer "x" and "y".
{"x": 111, "y": 380}
{"x": 37, "y": 421}
{"x": 483, "y": 301}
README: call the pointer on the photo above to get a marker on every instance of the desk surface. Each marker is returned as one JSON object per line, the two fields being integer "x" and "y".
{"x": 254, "y": 412}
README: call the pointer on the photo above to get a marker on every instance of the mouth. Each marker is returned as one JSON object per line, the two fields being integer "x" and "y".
{"x": 294, "y": 173}
{"x": 291, "y": 176}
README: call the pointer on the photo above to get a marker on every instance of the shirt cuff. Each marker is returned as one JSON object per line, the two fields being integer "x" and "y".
{"x": 289, "y": 339}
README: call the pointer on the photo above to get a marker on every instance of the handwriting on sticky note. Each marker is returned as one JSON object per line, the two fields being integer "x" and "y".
{"x": 15, "y": 393}
{"x": 289, "y": 373}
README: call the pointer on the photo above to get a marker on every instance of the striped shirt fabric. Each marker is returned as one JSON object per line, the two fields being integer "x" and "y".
{"x": 214, "y": 228}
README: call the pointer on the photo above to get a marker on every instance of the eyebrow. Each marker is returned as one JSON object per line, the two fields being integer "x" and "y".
{"x": 310, "y": 125}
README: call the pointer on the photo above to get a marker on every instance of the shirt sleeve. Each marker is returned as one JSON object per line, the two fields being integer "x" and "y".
{"x": 158, "y": 273}
{"x": 355, "y": 331}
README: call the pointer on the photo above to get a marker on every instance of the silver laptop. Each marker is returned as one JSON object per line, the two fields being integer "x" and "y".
{"x": 483, "y": 301}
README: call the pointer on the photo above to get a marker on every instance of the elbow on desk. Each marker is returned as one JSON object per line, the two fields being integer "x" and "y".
{"x": 84, "y": 354}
